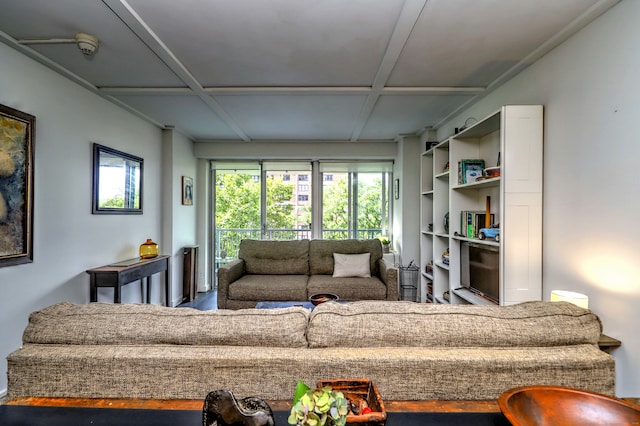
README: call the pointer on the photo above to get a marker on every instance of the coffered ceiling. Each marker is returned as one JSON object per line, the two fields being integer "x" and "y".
{"x": 345, "y": 70}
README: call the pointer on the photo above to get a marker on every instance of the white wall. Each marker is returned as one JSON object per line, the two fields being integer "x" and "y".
{"x": 407, "y": 207}
{"x": 179, "y": 221}
{"x": 591, "y": 92}
{"x": 68, "y": 239}
{"x": 206, "y": 277}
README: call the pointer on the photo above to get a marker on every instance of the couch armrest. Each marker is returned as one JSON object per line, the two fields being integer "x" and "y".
{"x": 389, "y": 276}
{"x": 226, "y": 275}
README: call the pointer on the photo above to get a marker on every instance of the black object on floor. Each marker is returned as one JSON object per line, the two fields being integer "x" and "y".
{"x": 14, "y": 415}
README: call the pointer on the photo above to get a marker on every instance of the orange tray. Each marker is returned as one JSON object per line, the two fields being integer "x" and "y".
{"x": 363, "y": 389}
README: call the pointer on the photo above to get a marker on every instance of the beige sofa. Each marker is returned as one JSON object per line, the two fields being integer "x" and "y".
{"x": 411, "y": 351}
{"x": 294, "y": 270}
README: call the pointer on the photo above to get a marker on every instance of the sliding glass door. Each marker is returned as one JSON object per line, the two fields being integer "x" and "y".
{"x": 287, "y": 200}
{"x": 237, "y": 206}
{"x": 274, "y": 200}
{"x": 355, "y": 200}
{"x": 259, "y": 200}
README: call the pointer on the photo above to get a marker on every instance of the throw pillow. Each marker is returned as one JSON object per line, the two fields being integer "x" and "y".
{"x": 351, "y": 265}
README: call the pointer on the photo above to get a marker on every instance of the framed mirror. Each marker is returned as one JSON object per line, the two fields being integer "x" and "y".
{"x": 117, "y": 181}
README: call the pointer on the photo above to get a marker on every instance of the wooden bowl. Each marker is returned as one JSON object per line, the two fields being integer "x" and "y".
{"x": 319, "y": 298}
{"x": 557, "y": 405}
{"x": 491, "y": 172}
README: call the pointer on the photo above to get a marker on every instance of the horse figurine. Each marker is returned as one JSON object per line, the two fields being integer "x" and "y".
{"x": 221, "y": 408}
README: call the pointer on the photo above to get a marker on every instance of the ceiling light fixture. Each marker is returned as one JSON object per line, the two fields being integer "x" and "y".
{"x": 85, "y": 42}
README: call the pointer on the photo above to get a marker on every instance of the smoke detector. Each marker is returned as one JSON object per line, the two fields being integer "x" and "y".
{"x": 85, "y": 42}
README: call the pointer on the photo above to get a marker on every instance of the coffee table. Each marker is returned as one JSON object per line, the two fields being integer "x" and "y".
{"x": 14, "y": 415}
{"x": 284, "y": 304}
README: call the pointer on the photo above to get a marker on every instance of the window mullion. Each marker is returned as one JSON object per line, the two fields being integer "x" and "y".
{"x": 355, "y": 206}
{"x": 263, "y": 202}
{"x": 317, "y": 183}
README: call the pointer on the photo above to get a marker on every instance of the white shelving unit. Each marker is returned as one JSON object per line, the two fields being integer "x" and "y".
{"x": 515, "y": 135}
{"x": 425, "y": 292}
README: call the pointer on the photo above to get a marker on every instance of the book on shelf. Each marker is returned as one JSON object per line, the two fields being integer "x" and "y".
{"x": 472, "y": 221}
{"x": 469, "y": 170}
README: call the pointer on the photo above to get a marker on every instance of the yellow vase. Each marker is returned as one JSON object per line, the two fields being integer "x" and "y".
{"x": 149, "y": 249}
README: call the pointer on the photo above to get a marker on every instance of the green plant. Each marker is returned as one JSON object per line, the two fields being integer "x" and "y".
{"x": 319, "y": 407}
{"x": 385, "y": 241}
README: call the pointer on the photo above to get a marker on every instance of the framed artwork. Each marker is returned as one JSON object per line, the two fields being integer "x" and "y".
{"x": 187, "y": 191}
{"x": 17, "y": 137}
{"x": 396, "y": 188}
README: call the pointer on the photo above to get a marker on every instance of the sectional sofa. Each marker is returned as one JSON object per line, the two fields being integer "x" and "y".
{"x": 294, "y": 270}
{"x": 411, "y": 351}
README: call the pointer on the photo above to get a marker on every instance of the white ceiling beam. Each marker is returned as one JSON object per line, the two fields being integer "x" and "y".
{"x": 133, "y": 91}
{"x": 433, "y": 90}
{"x": 573, "y": 27}
{"x": 29, "y": 52}
{"x": 282, "y": 90}
{"x": 138, "y": 26}
{"x": 33, "y": 54}
{"x": 409, "y": 15}
{"x": 286, "y": 90}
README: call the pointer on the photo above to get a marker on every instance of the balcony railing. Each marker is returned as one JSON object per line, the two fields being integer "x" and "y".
{"x": 228, "y": 239}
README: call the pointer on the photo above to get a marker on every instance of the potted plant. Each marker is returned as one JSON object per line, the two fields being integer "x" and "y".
{"x": 318, "y": 407}
{"x": 385, "y": 244}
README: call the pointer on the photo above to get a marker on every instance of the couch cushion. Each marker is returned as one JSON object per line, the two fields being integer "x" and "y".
{"x": 132, "y": 324}
{"x": 189, "y": 372}
{"x": 321, "y": 253}
{"x": 275, "y": 257}
{"x": 348, "y": 288}
{"x": 269, "y": 287}
{"x": 351, "y": 265}
{"x": 380, "y": 324}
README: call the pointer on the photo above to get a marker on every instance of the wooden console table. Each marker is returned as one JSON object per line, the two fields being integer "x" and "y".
{"x": 607, "y": 343}
{"x": 122, "y": 273}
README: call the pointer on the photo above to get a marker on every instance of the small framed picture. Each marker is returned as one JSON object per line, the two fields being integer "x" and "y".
{"x": 396, "y": 188}
{"x": 187, "y": 191}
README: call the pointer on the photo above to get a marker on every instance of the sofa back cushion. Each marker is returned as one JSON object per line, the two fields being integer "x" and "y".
{"x": 133, "y": 324}
{"x": 409, "y": 324}
{"x": 321, "y": 254}
{"x": 265, "y": 257}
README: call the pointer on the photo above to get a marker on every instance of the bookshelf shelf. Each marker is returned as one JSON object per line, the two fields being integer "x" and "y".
{"x": 477, "y": 241}
{"x": 471, "y": 297}
{"x": 487, "y": 183}
{"x": 427, "y": 275}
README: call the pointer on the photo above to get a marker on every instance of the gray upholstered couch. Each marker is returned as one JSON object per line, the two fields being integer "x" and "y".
{"x": 294, "y": 270}
{"x": 411, "y": 351}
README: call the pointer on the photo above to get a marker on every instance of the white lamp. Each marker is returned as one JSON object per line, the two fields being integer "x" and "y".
{"x": 578, "y": 299}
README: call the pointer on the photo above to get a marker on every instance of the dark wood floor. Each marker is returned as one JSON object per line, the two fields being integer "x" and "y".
{"x": 204, "y": 301}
